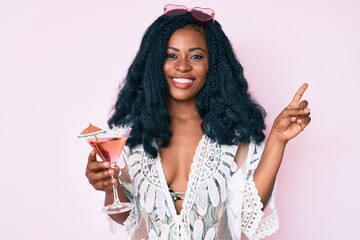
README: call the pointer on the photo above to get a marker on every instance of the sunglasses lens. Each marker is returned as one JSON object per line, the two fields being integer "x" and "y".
{"x": 174, "y": 10}
{"x": 203, "y": 14}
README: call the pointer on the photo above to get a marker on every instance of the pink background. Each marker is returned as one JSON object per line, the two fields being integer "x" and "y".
{"x": 60, "y": 65}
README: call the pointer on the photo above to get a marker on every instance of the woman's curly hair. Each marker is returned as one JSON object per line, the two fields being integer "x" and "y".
{"x": 229, "y": 114}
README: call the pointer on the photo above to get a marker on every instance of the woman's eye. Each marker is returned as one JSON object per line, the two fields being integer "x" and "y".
{"x": 196, "y": 56}
{"x": 170, "y": 55}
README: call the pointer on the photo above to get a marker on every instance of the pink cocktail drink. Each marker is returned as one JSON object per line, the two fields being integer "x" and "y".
{"x": 109, "y": 149}
{"x": 108, "y": 146}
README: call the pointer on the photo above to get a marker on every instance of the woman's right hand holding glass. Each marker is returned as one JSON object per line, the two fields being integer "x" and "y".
{"x": 99, "y": 173}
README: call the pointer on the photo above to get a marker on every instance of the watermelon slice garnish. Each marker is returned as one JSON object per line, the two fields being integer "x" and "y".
{"x": 91, "y": 130}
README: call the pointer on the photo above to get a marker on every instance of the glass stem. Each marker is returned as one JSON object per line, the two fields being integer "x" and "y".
{"x": 116, "y": 196}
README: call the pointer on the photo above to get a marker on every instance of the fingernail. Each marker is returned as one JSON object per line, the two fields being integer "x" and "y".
{"x": 110, "y": 172}
{"x": 92, "y": 153}
{"x": 106, "y": 164}
{"x": 307, "y": 110}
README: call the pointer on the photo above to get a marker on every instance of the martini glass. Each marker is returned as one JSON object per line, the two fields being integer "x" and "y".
{"x": 109, "y": 146}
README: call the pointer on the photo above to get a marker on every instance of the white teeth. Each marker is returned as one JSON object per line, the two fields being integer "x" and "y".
{"x": 182, "y": 80}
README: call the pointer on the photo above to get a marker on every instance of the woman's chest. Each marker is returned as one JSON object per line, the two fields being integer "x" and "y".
{"x": 176, "y": 160}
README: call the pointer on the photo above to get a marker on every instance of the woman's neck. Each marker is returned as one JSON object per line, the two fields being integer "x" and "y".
{"x": 182, "y": 110}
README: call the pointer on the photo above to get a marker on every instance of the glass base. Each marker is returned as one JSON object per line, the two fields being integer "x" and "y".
{"x": 117, "y": 207}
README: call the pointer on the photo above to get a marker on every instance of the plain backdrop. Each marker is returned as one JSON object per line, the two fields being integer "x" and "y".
{"x": 60, "y": 66}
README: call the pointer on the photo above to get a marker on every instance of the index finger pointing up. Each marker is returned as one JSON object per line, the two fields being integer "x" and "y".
{"x": 298, "y": 95}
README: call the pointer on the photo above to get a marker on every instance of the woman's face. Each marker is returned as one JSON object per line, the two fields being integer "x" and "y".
{"x": 186, "y": 63}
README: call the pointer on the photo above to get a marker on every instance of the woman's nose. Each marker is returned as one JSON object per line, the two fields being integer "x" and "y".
{"x": 182, "y": 65}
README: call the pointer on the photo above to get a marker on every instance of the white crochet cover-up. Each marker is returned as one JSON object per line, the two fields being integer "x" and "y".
{"x": 221, "y": 200}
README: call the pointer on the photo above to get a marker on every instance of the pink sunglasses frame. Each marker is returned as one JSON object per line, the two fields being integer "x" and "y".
{"x": 183, "y": 9}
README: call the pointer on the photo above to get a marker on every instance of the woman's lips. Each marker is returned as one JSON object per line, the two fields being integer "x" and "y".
{"x": 182, "y": 82}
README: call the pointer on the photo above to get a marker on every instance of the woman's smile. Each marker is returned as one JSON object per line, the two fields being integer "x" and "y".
{"x": 183, "y": 82}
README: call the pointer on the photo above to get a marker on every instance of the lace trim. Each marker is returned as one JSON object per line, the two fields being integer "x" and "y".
{"x": 210, "y": 171}
{"x": 255, "y": 224}
{"x": 269, "y": 224}
{"x": 130, "y": 221}
{"x": 200, "y": 154}
{"x": 147, "y": 183}
{"x": 111, "y": 224}
{"x": 251, "y": 209}
{"x": 198, "y": 231}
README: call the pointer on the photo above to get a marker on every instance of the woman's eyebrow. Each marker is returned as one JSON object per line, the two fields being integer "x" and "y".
{"x": 172, "y": 48}
{"x": 190, "y": 49}
{"x": 196, "y": 48}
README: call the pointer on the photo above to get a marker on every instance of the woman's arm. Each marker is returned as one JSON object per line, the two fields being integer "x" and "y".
{"x": 290, "y": 122}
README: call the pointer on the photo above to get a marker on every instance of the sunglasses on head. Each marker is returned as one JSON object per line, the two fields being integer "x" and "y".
{"x": 201, "y": 14}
